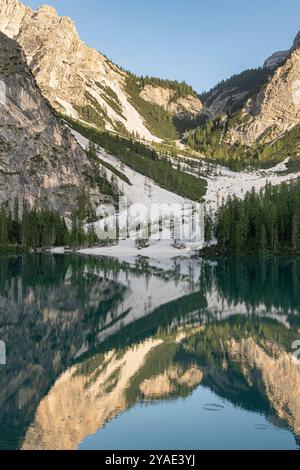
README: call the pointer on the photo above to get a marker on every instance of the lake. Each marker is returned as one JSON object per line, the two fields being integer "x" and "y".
{"x": 185, "y": 354}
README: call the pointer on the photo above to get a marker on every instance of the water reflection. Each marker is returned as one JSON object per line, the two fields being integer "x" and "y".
{"x": 88, "y": 339}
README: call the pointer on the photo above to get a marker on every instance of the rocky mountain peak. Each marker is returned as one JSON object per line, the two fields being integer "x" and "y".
{"x": 279, "y": 57}
{"x": 296, "y": 43}
{"x": 46, "y": 14}
{"x": 47, "y": 9}
{"x": 79, "y": 81}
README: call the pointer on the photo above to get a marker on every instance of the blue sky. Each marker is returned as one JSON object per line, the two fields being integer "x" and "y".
{"x": 199, "y": 41}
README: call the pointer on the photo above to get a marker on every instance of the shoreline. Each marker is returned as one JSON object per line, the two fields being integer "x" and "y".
{"x": 154, "y": 252}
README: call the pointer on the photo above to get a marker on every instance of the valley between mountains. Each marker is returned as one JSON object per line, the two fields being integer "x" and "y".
{"x": 182, "y": 333}
{"x": 77, "y": 131}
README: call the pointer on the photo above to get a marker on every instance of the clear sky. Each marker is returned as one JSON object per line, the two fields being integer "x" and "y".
{"x": 199, "y": 41}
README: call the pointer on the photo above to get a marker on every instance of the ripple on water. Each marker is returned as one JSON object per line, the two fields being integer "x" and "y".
{"x": 213, "y": 407}
{"x": 262, "y": 427}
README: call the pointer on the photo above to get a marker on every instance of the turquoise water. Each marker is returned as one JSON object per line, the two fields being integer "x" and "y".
{"x": 190, "y": 355}
{"x": 202, "y": 421}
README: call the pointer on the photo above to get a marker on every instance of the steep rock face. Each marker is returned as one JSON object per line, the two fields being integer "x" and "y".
{"x": 77, "y": 80}
{"x": 12, "y": 13}
{"x": 276, "y": 59}
{"x": 39, "y": 158}
{"x": 222, "y": 101}
{"x": 275, "y": 109}
{"x": 230, "y": 95}
{"x": 267, "y": 100}
{"x": 179, "y": 106}
{"x": 260, "y": 105}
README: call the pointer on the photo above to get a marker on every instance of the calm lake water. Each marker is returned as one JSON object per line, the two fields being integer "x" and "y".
{"x": 193, "y": 354}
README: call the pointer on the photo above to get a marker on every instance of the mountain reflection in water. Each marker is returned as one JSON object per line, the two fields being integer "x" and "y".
{"x": 89, "y": 339}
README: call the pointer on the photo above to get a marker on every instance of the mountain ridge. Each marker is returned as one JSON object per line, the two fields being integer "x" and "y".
{"x": 80, "y": 81}
{"x": 255, "y": 115}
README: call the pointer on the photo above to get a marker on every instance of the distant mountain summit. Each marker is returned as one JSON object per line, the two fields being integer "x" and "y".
{"x": 278, "y": 57}
{"x": 83, "y": 84}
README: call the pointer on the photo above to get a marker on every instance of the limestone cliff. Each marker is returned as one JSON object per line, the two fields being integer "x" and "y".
{"x": 188, "y": 106}
{"x": 77, "y": 80}
{"x": 259, "y": 105}
{"x": 40, "y": 160}
{"x": 276, "y": 108}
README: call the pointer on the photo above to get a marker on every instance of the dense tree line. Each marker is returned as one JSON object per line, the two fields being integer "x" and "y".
{"x": 264, "y": 222}
{"x": 182, "y": 89}
{"x": 36, "y": 229}
{"x": 31, "y": 228}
